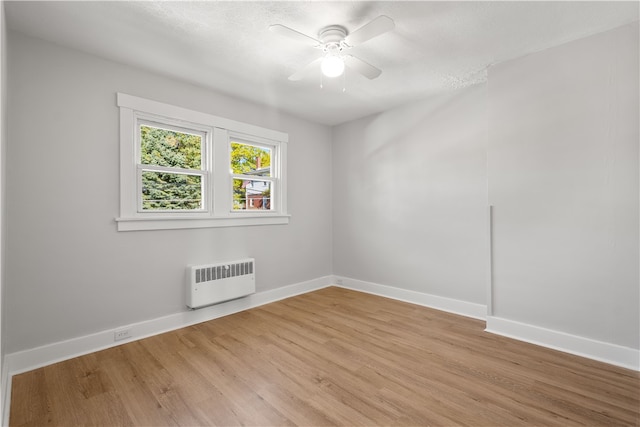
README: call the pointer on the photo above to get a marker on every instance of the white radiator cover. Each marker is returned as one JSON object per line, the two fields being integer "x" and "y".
{"x": 215, "y": 283}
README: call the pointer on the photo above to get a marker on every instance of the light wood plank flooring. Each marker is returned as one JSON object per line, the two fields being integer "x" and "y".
{"x": 330, "y": 357}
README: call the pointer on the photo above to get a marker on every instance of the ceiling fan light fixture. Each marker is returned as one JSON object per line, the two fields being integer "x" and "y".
{"x": 332, "y": 66}
{"x": 334, "y": 40}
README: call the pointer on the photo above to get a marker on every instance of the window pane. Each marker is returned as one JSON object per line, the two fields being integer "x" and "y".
{"x": 164, "y": 147}
{"x": 250, "y": 160}
{"x": 171, "y": 191}
{"x": 251, "y": 194}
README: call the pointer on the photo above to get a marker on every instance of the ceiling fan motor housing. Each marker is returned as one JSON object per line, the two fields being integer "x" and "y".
{"x": 332, "y": 38}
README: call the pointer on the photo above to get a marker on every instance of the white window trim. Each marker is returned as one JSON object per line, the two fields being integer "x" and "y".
{"x": 277, "y": 172}
{"x": 206, "y": 133}
{"x": 218, "y": 211}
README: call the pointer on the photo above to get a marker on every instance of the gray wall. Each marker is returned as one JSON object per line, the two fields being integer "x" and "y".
{"x": 410, "y": 197}
{"x": 563, "y": 177}
{"x": 552, "y": 142}
{"x": 69, "y": 272}
{"x": 3, "y": 143}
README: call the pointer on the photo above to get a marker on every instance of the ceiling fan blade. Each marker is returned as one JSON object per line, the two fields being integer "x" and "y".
{"x": 300, "y": 74}
{"x": 379, "y": 25}
{"x": 293, "y": 34}
{"x": 362, "y": 67}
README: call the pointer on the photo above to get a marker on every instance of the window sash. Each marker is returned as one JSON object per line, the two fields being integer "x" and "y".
{"x": 171, "y": 126}
{"x": 277, "y": 202}
{"x": 179, "y": 126}
{"x": 273, "y": 193}
{"x": 271, "y": 146}
{"x": 272, "y": 179}
{"x": 204, "y": 185}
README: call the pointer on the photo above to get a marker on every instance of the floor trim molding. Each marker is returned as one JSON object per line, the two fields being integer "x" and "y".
{"x": 34, "y": 358}
{"x": 463, "y": 308}
{"x": 613, "y": 354}
{"x": 23, "y": 361}
{"x": 27, "y": 360}
{"x": 6, "y": 393}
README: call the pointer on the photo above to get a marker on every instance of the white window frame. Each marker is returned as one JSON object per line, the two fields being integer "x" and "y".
{"x": 206, "y": 133}
{"x": 218, "y": 189}
{"x": 276, "y": 170}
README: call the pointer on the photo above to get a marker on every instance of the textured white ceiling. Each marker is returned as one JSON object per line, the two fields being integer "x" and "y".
{"x": 226, "y": 46}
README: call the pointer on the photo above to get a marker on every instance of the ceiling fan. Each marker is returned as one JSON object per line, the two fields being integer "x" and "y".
{"x": 334, "y": 40}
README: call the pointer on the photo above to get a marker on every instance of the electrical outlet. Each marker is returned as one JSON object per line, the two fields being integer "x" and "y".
{"x": 122, "y": 334}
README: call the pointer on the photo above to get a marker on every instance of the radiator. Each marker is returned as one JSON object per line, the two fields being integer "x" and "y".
{"x": 215, "y": 283}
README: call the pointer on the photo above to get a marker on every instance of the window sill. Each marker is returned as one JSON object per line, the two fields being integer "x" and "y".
{"x": 173, "y": 223}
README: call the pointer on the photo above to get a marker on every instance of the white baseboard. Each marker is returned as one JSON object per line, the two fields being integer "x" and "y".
{"x": 23, "y": 361}
{"x": 598, "y": 350}
{"x": 463, "y": 308}
{"x": 6, "y": 393}
{"x": 34, "y": 358}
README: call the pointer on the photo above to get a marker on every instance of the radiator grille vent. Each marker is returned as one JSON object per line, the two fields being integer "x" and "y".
{"x": 207, "y": 274}
{"x": 214, "y": 283}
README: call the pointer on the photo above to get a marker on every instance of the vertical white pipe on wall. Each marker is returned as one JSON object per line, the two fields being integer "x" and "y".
{"x": 490, "y": 260}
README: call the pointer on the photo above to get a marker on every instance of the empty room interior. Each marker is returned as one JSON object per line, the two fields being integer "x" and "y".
{"x": 320, "y": 213}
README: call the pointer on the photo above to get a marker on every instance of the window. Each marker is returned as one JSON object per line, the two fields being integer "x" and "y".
{"x": 172, "y": 173}
{"x": 185, "y": 169}
{"x": 251, "y": 175}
